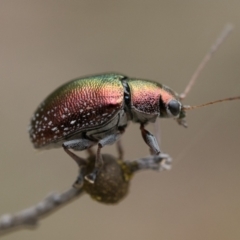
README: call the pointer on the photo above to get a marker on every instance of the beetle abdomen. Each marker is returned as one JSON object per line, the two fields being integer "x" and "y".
{"x": 77, "y": 106}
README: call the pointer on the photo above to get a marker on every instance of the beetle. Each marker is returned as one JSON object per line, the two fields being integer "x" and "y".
{"x": 95, "y": 110}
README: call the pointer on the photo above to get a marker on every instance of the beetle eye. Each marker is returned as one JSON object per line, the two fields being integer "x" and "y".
{"x": 174, "y": 107}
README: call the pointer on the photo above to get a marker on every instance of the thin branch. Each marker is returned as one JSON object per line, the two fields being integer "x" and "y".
{"x": 30, "y": 217}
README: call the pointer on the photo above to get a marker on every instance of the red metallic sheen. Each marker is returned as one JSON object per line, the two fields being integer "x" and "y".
{"x": 79, "y": 105}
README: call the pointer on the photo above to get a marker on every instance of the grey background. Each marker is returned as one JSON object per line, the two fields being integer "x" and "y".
{"x": 46, "y": 43}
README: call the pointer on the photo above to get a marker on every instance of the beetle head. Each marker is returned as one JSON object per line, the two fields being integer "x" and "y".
{"x": 171, "y": 106}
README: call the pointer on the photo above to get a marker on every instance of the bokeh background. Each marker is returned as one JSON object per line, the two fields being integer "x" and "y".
{"x": 46, "y": 43}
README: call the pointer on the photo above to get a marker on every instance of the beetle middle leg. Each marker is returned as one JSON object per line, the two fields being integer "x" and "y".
{"x": 119, "y": 144}
{"x": 82, "y": 163}
{"x": 108, "y": 140}
{"x": 78, "y": 144}
{"x": 120, "y": 150}
{"x": 150, "y": 140}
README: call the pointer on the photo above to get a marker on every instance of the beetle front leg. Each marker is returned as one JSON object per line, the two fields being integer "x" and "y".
{"x": 150, "y": 140}
{"x": 110, "y": 139}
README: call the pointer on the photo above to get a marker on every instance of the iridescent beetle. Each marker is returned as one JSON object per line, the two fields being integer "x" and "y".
{"x": 95, "y": 110}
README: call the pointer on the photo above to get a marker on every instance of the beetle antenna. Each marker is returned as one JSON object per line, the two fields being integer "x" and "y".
{"x": 210, "y": 103}
{"x": 225, "y": 33}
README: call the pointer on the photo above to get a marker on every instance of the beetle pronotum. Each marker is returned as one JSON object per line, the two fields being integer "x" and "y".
{"x": 95, "y": 110}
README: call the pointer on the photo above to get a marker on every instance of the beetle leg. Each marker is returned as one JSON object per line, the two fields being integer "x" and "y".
{"x": 120, "y": 150}
{"x": 108, "y": 140}
{"x": 80, "y": 179}
{"x": 150, "y": 140}
{"x": 119, "y": 144}
{"x": 79, "y": 144}
{"x": 81, "y": 162}
{"x": 91, "y": 152}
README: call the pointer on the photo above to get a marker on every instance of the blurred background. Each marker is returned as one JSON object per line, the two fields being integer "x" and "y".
{"x": 46, "y": 43}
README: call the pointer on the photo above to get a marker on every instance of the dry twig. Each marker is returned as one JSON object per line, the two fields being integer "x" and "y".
{"x": 30, "y": 217}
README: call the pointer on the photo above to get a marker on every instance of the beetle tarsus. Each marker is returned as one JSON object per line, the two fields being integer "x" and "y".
{"x": 98, "y": 164}
{"x": 92, "y": 176}
{"x": 164, "y": 161}
{"x": 79, "y": 182}
{"x": 161, "y": 162}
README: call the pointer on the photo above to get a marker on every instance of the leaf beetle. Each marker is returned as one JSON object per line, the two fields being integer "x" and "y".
{"x": 95, "y": 110}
